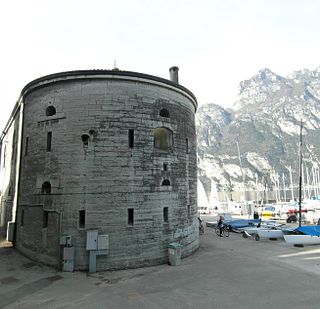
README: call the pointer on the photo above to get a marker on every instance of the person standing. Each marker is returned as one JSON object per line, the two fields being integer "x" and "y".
{"x": 220, "y": 225}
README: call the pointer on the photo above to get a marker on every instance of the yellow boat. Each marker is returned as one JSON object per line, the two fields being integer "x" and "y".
{"x": 268, "y": 214}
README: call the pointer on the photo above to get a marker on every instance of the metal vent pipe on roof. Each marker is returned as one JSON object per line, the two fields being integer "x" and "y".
{"x": 174, "y": 76}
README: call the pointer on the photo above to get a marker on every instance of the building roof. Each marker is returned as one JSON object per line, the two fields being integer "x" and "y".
{"x": 100, "y": 74}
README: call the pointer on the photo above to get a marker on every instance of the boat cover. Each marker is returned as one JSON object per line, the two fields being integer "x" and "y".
{"x": 312, "y": 230}
{"x": 235, "y": 224}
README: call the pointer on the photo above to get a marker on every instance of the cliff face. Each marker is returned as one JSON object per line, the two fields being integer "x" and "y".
{"x": 265, "y": 124}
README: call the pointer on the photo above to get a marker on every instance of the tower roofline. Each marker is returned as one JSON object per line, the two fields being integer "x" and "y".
{"x": 105, "y": 74}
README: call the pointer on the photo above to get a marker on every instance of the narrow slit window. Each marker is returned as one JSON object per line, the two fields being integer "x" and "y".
{"x": 82, "y": 219}
{"x": 165, "y": 214}
{"x": 165, "y": 166}
{"x": 45, "y": 219}
{"x": 130, "y": 216}
{"x": 22, "y": 218}
{"x": 49, "y": 141}
{"x": 187, "y": 146}
{"x": 131, "y": 138}
{"x": 27, "y": 146}
{"x": 188, "y": 210}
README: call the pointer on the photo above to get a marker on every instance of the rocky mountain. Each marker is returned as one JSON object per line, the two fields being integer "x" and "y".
{"x": 261, "y": 132}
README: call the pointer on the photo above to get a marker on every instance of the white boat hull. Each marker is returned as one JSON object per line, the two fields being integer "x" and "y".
{"x": 302, "y": 239}
{"x": 250, "y": 230}
{"x": 269, "y": 233}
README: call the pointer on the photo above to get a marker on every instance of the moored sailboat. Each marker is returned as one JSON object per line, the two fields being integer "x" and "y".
{"x": 270, "y": 233}
{"x": 303, "y": 235}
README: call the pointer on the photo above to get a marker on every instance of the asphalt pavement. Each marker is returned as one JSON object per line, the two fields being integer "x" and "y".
{"x": 231, "y": 272}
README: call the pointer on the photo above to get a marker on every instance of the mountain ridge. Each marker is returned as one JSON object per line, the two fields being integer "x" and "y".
{"x": 265, "y": 123}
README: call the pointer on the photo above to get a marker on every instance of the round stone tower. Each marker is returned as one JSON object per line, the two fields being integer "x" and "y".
{"x": 108, "y": 152}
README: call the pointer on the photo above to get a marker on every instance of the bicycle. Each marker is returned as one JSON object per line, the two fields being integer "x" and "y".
{"x": 225, "y": 231}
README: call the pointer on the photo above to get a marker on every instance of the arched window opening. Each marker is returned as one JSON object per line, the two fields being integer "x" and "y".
{"x": 163, "y": 138}
{"x": 165, "y": 182}
{"x": 46, "y": 188}
{"x": 85, "y": 140}
{"x": 50, "y": 111}
{"x": 164, "y": 113}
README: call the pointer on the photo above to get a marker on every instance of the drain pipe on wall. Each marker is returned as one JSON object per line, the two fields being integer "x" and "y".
{"x": 18, "y": 165}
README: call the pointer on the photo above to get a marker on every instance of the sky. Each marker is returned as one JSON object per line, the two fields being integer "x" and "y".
{"x": 215, "y": 43}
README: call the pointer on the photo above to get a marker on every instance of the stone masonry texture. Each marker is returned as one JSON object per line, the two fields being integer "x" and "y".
{"x": 98, "y": 154}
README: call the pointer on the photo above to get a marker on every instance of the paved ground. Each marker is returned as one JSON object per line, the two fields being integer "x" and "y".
{"x": 224, "y": 273}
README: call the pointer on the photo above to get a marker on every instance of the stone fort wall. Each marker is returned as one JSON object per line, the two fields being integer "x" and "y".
{"x": 113, "y": 151}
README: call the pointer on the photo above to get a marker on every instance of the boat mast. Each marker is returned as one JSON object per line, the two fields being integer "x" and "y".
{"x": 308, "y": 182}
{"x": 317, "y": 179}
{"x": 291, "y": 184}
{"x": 257, "y": 189}
{"x": 284, "y": 189}
{"x": 303, "y": 182}
{"x": 244, "y": 184}
{"x": 300, "y": 172}
{"x": 278, "y": 187}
